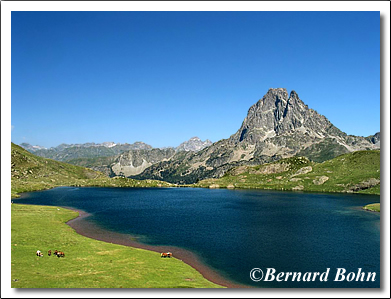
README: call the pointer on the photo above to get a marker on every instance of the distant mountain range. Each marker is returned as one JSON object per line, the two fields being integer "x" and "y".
{"x": 65, "y": 151}
{"x": 115, "y": 159}
{"x": 280, "y": 125}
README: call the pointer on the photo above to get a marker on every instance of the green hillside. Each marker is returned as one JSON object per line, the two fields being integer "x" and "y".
{"x": 92, "y": 162}
{"x": 357, "y": 172}
{"x": 31, "y": 173}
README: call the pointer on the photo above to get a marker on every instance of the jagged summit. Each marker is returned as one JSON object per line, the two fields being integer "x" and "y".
{"x": 279, "y": 113}
{"x": 194, "y": 144}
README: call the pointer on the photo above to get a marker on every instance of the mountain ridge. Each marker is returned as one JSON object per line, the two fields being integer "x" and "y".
{"x": 66, "y": 152}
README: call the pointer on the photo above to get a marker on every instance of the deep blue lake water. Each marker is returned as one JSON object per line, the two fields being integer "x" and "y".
{"x": 234, "y": 231}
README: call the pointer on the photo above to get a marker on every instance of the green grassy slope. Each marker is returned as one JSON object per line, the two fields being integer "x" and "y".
{"x": 95, "y": 162}
{"x": 328, "y": 149}
{"x": 352, "y": 172}
{"x": 91, "y": 162}
{"x": 88, "y": 263}
{"x": 31, "y": 173}
{"x": 375, "y": 207}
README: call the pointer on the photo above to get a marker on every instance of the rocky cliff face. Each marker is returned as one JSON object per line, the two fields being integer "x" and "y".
{"x": 375, "y": 139}
{"x": 126, "y": 164}
{"x": 279, "y": 125}
{"x": 136, "y": 161}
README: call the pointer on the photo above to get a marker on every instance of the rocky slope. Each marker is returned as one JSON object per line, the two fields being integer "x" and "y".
{"x": 278, "y": 126}
{"x": 134, "y": 162}
{"x": 375, "y": 139}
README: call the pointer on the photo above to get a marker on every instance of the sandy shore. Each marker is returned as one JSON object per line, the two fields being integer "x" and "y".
{"x": 83, "y": 227}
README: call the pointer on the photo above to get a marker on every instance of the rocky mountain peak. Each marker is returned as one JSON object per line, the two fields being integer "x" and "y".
{"x": 194, "y": 144}
{"x": 293, "y": 94}
{"x": 279, "y": 113}
{"x": 277, "y": 91}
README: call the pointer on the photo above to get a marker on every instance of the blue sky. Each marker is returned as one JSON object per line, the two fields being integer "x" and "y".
{"x": 163, "y": 77}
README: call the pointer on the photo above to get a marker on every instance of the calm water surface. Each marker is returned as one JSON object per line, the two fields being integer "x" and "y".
{"x": 234, "y": 231}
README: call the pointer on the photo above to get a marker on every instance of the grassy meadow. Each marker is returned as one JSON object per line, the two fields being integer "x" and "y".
{"x": 88, "y": 263}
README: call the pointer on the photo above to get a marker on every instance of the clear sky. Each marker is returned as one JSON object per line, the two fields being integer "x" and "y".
{"x": 164, "y": 77}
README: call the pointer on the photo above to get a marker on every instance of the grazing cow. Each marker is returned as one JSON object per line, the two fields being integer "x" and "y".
{"x": 55, "y": 252}
{"x": 39, "y": 253}
{"x": 166, "y": 254}
{"x": 49, "y": 253}
{"x": 60, "y": 254}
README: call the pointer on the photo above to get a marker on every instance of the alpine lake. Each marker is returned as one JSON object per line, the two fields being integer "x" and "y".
{"x": 235, "y": 231}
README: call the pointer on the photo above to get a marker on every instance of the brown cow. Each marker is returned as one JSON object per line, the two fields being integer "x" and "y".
{"x": 60, "y": 254}
{"x": 49, "y": 253}
{"x": 166, "y": 254}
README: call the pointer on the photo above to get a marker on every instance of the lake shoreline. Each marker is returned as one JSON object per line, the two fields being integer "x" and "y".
{"x": 206, "y": 234}
{"x": 89, "y": 230}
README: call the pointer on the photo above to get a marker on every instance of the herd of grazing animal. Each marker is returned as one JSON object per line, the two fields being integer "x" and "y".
{"x": 62, "y": 254}
{"x": 56, "y": 252}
